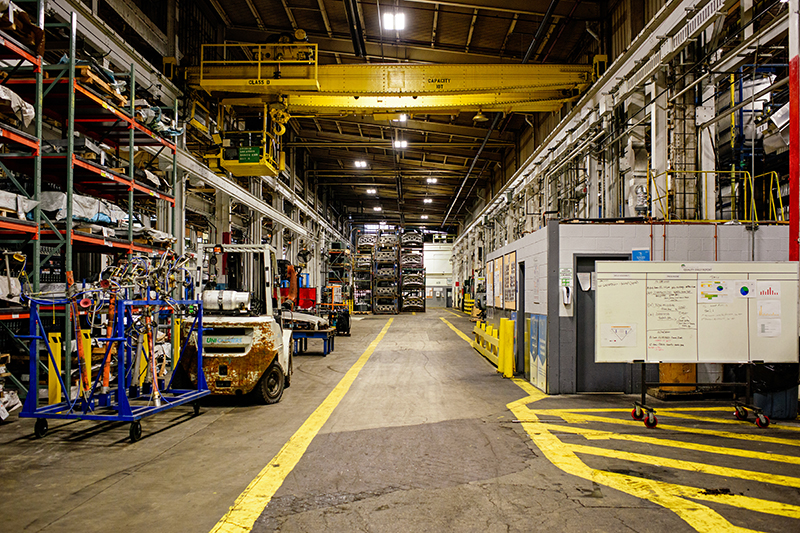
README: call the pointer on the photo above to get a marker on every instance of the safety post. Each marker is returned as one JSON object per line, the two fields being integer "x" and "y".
{"x": 86, "y": 360}
{"x": 501, "y": 356}
{"x": 508, "y": 367}
{"x": 53, "y": 385}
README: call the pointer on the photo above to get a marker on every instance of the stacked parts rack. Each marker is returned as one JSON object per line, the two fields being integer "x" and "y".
{"x": 362, "y": 274}
{"x": 412, "y": 269}
{"x": 386, "y": 275}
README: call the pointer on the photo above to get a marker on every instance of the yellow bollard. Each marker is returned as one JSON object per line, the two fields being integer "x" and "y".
{"x": 501, "y": 358}
{"x": 53, "y": 385}
{"x": 176, "y": 342}
{"x": 86, "y": 362}
{"x": 508, "y": 367}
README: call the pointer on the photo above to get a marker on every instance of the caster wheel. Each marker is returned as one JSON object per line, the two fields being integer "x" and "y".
{"x": 196, "y": 408}
{"x": 740, "y": 414}
{"x": 762, "y": 421}
{"x": 637, "y": 414}
{"x": 136, "y": 431}
{"x": 40, "y": 428}
{"x": 651, "y": 421}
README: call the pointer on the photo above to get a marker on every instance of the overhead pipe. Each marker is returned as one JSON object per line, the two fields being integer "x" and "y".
{"x": 356, "y": 32}
{"x": 545, "y": 22}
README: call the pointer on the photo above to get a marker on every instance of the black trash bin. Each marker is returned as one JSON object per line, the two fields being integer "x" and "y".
{"x": 775, "y": 389}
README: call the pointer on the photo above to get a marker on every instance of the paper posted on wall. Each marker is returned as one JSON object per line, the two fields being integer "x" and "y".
{"x": 623, "y": 335}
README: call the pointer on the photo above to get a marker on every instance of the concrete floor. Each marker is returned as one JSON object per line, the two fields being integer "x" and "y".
{"x": 424, "y": 440}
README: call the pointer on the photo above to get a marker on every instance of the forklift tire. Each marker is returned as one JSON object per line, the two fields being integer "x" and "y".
{"x": 270, "y": 387}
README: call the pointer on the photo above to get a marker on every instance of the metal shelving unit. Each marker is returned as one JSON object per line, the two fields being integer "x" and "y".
{"x": 77, "y": 108}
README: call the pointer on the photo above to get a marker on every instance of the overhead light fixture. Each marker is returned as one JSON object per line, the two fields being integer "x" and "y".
{"x": 361, "y": 164}
{"x": 403, "y": 117}
{"x": 372, "y": 191}
{"x": 400, "y": 144}
{"x": 480, "y": 117}
{"x": 428, "y": 200}
{"x": 424, "y": 217}
{"x": 431, "y": 180}
{"x": 377, "y": 208}
{"x": 394, "y": 21}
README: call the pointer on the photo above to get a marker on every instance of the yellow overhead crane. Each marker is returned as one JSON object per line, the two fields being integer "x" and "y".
{"x": 286, "y": 79}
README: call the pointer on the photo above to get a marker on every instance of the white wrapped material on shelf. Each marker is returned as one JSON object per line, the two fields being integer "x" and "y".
{"x": 16, "y": 203}
{"x": 10, "y": 288}
{"x": 83, "y": 208}
{"x": 22, "y": 109}
{"x": 148, "y": 233}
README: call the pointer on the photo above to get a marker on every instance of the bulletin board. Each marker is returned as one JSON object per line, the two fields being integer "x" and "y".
{"x": 498, "y": 282}
{"x": 696, "y": 312}
{"x": 490, "y": 282}
{"x": 510, "y": 281}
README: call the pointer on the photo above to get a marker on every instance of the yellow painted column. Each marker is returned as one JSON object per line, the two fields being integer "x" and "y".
{"x": 53, "y": 385}
{"x": 501, "y": 357}
{"x": 176, "y": 342}
{"x": 86, "y": 361}
{"x": 508, "y": 367}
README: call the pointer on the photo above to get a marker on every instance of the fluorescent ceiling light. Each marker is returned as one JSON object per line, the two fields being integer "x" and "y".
{"x": 361, "y": 164}
{"x": 401, "y": 144}
{"x": 428, "y": 200}
{"x": 403, "y": 117}
{"x": 431, "y": 180}
{"x": 394, "y": 21}
{"x": 424, "y": 217}
{"x": 372, "y": 191}
{"x": 377, "y": 208}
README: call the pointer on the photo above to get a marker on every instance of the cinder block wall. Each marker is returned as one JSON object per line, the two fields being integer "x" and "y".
{"x": 559, "y": 244}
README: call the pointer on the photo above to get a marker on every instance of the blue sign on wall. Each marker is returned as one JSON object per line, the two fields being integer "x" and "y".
{"x": 640, "y": 254}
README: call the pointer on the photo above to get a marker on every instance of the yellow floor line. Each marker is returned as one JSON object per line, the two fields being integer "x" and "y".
{"x": 677, "y": 498}
{"x": 573, "y": 418}
{"x": 251, "y": 503}
{"x": 458, "y": 331}
{"x": 700, "y": 517}
{"x": 452, "y": 313}
{"x": 594, "y": 434}
{"x": 691, "y": 466}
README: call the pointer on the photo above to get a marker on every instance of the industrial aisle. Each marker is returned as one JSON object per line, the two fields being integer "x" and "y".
{"x": 424, "y": 439}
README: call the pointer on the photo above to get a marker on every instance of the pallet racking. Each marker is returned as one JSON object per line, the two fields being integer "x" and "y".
{"x": 75, "y": 108}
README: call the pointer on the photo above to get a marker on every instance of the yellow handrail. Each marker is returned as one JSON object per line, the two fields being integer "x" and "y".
{"x": 662, "y": 196}
{"x": 774, "y": 185}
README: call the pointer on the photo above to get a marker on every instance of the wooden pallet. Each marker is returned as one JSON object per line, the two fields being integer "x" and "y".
{"x": 84, "y": 74}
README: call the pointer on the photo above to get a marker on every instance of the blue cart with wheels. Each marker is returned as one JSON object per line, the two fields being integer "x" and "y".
{"x": 300, "y": 338}
{"x": 127, "y": 401}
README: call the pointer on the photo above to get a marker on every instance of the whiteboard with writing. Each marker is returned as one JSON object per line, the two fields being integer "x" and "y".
{"x": 696, "y": 312}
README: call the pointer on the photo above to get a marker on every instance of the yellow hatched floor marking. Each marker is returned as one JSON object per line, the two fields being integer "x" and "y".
{"x": 575, "y": 418}
{"x": 594, "y": 434}
{"x": 691, "y": 466}
{"x": 251, "y": 503}
{"x": 680, "y": 499}
{"x": 677, "y": 498}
